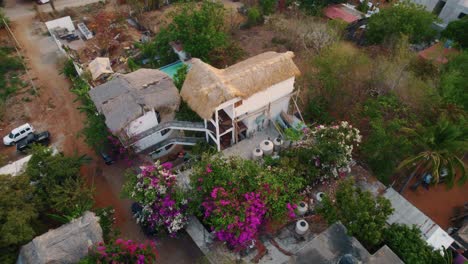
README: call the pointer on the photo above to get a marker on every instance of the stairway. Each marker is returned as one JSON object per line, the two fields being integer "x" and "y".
{"x": 175, "y": 124}
{"x": 187, "y": 141}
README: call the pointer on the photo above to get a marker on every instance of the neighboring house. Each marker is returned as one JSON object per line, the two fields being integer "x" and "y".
{"x": 447, "y": 10}
{"x": 242, "y": 99}
{"x": 134, "y": 103}
{"x": 407, "y": 214}
{"x": 335, "y": 246}
{"x": 66, "y": 244}
{"x": 342, "y": 12}
{"x": 100, "y": 68}
{"x": 438, "y": 53}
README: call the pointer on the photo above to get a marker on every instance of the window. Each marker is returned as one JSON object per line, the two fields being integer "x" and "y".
{"x": 461, "y": 15}
{"x": 27, "y": 129}
{"x": 438, "y": 7}
{"x": 17, "y": 135}
{"x": 164, "y": 131}
{"x": 238, "y": 103}
{"x": 158, "y": 117}
{"x": 22, "y": 132}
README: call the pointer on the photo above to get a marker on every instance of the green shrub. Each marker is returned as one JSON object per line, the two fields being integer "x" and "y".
{"x": 363, "y": 6}
{"x": 408, "y": 244}
{"x": 317, "y": 111}
{"x": 9, "y": 67}
{"x": 385, "y": 146}
{"x": 69, "y": 69}
{"x": 363, "y": 215}
{"x": 254, "y": 17}
{"x": 454, "y": 81}
{"x": 268, "y": 6}
{"x": 180, "y": 75}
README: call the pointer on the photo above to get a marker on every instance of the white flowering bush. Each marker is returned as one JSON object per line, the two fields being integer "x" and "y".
{"x": 333, "y": 147}
{"x": 163, "y": 203}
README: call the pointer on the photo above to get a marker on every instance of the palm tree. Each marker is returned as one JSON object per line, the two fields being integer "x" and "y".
{"x": 442, "y": 145}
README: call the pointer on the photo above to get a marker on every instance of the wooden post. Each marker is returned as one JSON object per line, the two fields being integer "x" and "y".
{"x": 218, "y": 139}
{"x": 206, "y": 130}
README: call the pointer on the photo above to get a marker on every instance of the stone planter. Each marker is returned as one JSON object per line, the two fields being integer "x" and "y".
{"x": 302, "y": 208}
{"x": 302, "y": 227}
{"x": 267, "y": 147}
{"x": 278, "y": 143}
{"x": 257, "y": 154}
{"x": 319, "y": 196}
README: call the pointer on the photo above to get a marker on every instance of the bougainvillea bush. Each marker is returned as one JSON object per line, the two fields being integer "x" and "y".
{"x": 235, "y": 196}
{"x": 326, "y": 150}
{"x": 122, "y": 252}
{"x": 163, "y": 204}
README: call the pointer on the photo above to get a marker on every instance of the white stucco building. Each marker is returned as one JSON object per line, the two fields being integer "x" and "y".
{"x": 447, "y": 10}
{"x": 134, "y": 104}
{"x": 242, "y": 99}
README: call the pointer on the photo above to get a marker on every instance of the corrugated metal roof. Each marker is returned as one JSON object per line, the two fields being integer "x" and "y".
{"x": 407, "y": 214}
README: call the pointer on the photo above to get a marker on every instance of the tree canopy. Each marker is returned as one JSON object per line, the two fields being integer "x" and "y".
{"x": 403, "y": 18}
{"x": 454, "y": 81}
{"x": 59, "y": 185}
{"x": 458, "y": 31}
{"x": 200, "y": 28}
{"x": 18, "y": 213}
{"x": 408, "y": 244}
{"x": 363, "y": 215}
{"x": 442, "y": 146}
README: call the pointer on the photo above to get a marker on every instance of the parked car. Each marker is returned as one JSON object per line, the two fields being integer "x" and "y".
{"x": 40, "y": 2}
{"x": 39, "y": 138}
{"x": 18, "y": 134}
{"x": 107, "y": 158}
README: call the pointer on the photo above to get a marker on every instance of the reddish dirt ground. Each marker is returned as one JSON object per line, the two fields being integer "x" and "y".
{"x": 439, "y": 203}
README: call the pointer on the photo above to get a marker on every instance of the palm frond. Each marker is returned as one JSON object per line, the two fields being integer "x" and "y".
{"x": 408, "y": 162}
{"x": 461, "y": 166}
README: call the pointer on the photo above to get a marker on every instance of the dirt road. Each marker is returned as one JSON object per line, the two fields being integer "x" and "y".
{"x": 18, "y": 9}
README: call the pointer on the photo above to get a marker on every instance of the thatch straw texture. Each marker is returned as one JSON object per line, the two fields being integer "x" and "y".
{"x": 127, "y": 97}
{"x": 206, "y": 87}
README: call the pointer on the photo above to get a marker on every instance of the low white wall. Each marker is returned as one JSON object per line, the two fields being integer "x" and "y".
{"x": 265, "y": 97}
{"x": 63, "y": 22}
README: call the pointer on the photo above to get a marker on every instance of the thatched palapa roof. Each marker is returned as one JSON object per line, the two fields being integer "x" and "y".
{"x": 126, "y": 97}
{"x": 206, "y": 87}
{"x": 66, "y": 244}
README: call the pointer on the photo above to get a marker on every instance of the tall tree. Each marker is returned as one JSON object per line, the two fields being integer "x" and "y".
{"x": 442, "y": 146}
{"x": 404, "y": 18}
{"x": 457, "y": 31}
{"x": 18, "y": 212}
{"x": 199, "y": 27}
